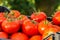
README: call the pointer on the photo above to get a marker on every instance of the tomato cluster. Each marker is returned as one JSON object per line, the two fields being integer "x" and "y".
{"x": 16, "y": 26}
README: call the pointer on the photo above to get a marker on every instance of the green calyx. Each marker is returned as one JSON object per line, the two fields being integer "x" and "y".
{"x": 12, "y": 13}
{"x": 37, "y": 13}
{"x": 46, "y": 22}
{"x": 6, "y": 14}
{"x": 20, "y": 17}
{"x": 11, "y": 19}
{"x": 33, "y": 21}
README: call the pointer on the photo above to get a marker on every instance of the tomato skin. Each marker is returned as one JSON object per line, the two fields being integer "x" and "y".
{"x": 56, "y": 27}
{"x": 43, "y": 25}
{"x": 19, "y": 36}
{"x": 1, "y": 14}
{"x": 14, "y": 13}
{"x": 2, "y": 18}
{"x": 29, "y": 28}
{"x": 10, "y": 27}
{"x": 38, "y": 16}
{"x": 56, "y": 18}
{"x": 36, "y": 37}
{"x": 3, "y": 35}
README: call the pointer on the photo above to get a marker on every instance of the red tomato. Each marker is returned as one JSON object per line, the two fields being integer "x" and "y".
{"x": 39, "y": 16}
{"x": 29, "y": 28}
{"x": 19, "y": 36}
{"x": 49, "y": 31}
{"x": 36, "y": 37}
{"x": 22, "y": 18}
{"x": 43, "y": 25}
{"x": 3, "y": 35}
{"x": 14, "y": 13}
{"x": 2, "y": 18}
{"x": 10, "y": 26}
{"x": 56, "y": 18}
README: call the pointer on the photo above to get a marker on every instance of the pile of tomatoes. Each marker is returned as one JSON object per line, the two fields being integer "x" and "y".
{"x": 16, "y": 26}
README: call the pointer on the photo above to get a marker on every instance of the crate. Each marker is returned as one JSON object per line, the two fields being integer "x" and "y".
{"x": 55, "y": 36}
{"x": 4, "y": 9}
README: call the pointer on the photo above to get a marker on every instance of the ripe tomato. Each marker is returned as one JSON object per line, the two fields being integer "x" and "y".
{"x": 19, "y": 36}
{"x": 3, "y": 35}
{"x": 10, "y": 26}
{"x": 56, "y": 18}
{"x": 22, "y": 18}
{"x": 43, "y": 25}
{"x": 49, "y": 31}
{"x": 29, "y": 28}
{"x": 39, "y": 16}
{"x": 14, "y": 13}
{"x": 36, "y": 37}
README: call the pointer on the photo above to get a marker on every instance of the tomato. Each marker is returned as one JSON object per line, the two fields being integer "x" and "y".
{"x": 3, "y": 35}
{"x": 22, "y": 18}
{"x": 10, "y": 26}
{"x": 2, "y": 18}
{"x": 29, "y": 28}
{"x": 36, "y": 37}
{"x": 14, "y": 13}
{"x": 19, "y": 36}
{"x": 39, "y": 16}
{"x": 56, "y": 18}
{"x": 49, "y": 31}
{"x": 43, "y": 25}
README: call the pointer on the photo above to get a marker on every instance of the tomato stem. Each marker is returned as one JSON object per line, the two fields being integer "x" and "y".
{"x": 33, "y": 21}
{"x": 46, "y": 22}
{"x": 20, "y": 17}
{"x": 12, "y": 13}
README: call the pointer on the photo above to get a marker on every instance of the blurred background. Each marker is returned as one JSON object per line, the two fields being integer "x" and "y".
{"x": 27, "y": 7}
